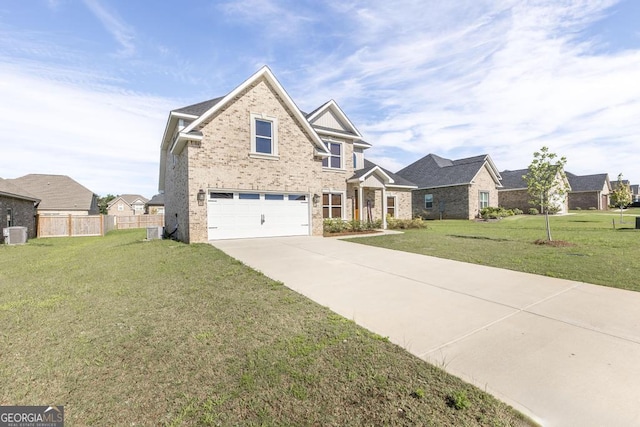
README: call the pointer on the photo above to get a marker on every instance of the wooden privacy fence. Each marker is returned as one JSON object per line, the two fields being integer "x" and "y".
{"x": 92, "y": 225}
{"x": 70, "y": 225}
{"x": 138, "y": 221}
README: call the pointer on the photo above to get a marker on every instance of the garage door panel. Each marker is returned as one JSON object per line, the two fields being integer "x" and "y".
{"x": 269, "y": 215}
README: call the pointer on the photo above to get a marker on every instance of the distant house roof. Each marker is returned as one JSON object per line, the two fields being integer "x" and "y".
{"x": 11, "y": 190}
{"x": 513, "y": 180}
{"x": 433, "y": 171}
{"x": 128, "y": 199}
{"x": 57, "y": 192}
{"x": 395, "y": 180}
{"x": 157, "y": 200}
{"x": 581, "y": 183}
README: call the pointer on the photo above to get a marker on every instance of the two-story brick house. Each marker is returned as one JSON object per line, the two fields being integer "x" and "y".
{"x": 252, "y": 164}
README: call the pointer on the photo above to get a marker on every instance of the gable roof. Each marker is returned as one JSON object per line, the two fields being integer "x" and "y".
{"x": 57, "y": 192}
{"x": 129, "y": 199}
{"x": 594, "y": 182}
{"x": 203, "y": 111}
{"x": 390, "y": 179}
{"x": 433, "y": 171}
{"x": 11, "y": 190}
{"x": 332, "y": 108}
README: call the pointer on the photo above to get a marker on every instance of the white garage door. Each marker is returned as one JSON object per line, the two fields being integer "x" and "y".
{"x": 232, "y": 215}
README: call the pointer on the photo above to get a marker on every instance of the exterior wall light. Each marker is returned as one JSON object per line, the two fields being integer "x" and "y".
{"x": 316, "y": 199}
{"x": 201, "y": 195}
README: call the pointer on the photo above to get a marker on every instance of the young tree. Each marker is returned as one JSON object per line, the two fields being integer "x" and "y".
{"x": 621, "y": 196}
{"x": 546, "y": 182}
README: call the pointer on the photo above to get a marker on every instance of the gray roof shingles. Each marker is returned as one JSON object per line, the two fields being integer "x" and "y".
{"x": 200, "y": 108}
{"x": 435, "y": 171}
{"x": 56, "y": 192}
{"x": 594, "y": 182}
{"x": 7, "y": 188}
{"x": 513, "y": 180}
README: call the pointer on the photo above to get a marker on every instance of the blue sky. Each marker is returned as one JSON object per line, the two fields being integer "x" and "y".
{"x": 87, "y": 86}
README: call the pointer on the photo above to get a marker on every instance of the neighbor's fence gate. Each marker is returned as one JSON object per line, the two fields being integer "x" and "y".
{"x": 92, "y": 225}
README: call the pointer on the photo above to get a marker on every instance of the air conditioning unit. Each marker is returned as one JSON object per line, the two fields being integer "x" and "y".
{"x": 15, "y": 235}
{"x": 154, "y": 233}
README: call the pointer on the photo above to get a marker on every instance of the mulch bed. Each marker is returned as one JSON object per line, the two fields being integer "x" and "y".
{"x": 553, "y": 243}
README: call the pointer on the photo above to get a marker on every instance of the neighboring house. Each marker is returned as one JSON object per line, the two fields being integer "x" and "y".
{"x": 635, "y": 192}
{"x": 59, "y": 195}
{"x": 155, "y": 206}
{"x": 589, "y": 191}
{"x": 17, "y": 208}
{"x": 452, "y": 188}
{"x": 126, "y": 205}
{"x": 251, "y": 164}
{"x": 514, "y": 192}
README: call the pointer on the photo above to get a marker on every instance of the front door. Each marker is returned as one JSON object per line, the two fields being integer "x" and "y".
{"x": 356, "y": 205}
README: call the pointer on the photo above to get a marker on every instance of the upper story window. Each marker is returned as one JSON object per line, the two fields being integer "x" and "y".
{"x": 334, "y": 161}
{"x": 355, "y": 161}
{"x": 264, "y": 135}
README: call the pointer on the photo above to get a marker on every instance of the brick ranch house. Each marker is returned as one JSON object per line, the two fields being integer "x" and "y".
{"x": 452, "y": 189}
{"x": 515, "y": 194}
{"x": 252, "y": 164}
{"x": 17, "y": 208}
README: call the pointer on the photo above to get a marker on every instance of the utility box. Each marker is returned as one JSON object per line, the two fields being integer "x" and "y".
{"x": 154, "y": 233}
{"x": 15, "y": 235}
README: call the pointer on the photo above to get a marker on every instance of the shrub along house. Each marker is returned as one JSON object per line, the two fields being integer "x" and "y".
{"x": 17, "y": 208}
{"x": 452, "y": 188}
{"x": 252, "y": 164}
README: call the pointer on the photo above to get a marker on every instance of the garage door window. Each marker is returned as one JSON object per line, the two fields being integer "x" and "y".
{"x": 297, "y": 197}
{"x": 220, "y": 195}
{"x": 332, "y": 205}
{"x": 274, "y": 196}
{"x": 249, "y": 196}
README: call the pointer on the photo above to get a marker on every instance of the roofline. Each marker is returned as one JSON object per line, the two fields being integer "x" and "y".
{"x": 369, "y": 172}
{"x": 443, "y": 186}
{"x": 338, "y": 134}
{"x": 413, "y": 187}
{"x": 271, "y": 78}
{"x": 19, "y": 196}
{"x": 513, "y": 189}
{"x": 181, "y": 140}
{"x": 343, "y": 116}
{"x": 361, "y": 144}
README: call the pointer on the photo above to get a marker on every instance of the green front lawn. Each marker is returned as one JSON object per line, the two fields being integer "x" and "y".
{"x": 126, "y": 332}
{"x": 597, "y": 252}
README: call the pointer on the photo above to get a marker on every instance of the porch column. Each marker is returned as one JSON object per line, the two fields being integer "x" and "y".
{"x": 384, "y": 208}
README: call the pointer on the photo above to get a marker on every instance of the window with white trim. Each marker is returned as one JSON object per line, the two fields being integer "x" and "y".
{"x": 264, "y": 135}
{"x": 484, "y": 199}
{"x": 428, "y": 201}
{"x": 332, "y": 205}
{"x": 334, "y": 161}
{"x": 391, "y": 206}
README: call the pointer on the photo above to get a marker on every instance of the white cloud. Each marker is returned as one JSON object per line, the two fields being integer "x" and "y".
{"x": 120, "y": 30}
{"x": 503, "y": 78}
{"x": 105, "y": 138}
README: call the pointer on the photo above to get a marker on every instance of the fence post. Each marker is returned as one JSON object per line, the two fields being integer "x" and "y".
{"x": 69, "y": 227}
{"x": 102, "y": 225}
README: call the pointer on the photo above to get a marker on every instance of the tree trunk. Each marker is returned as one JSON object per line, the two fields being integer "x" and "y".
{"x": 546, "y": 218}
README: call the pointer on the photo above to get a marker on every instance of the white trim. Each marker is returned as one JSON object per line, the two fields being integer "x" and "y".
{"x": 333, "y": 106}
{"x": 266, "y": 73}
{"x": 395, "y": 205}
{"x": 274, "y": 135}
{"x": 378, "y": 169}
{"x": 343, "y": 198}
{"x": 331, "y": 155}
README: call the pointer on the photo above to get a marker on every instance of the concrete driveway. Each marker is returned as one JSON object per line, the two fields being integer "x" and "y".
{"x": 565, "y": 353}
